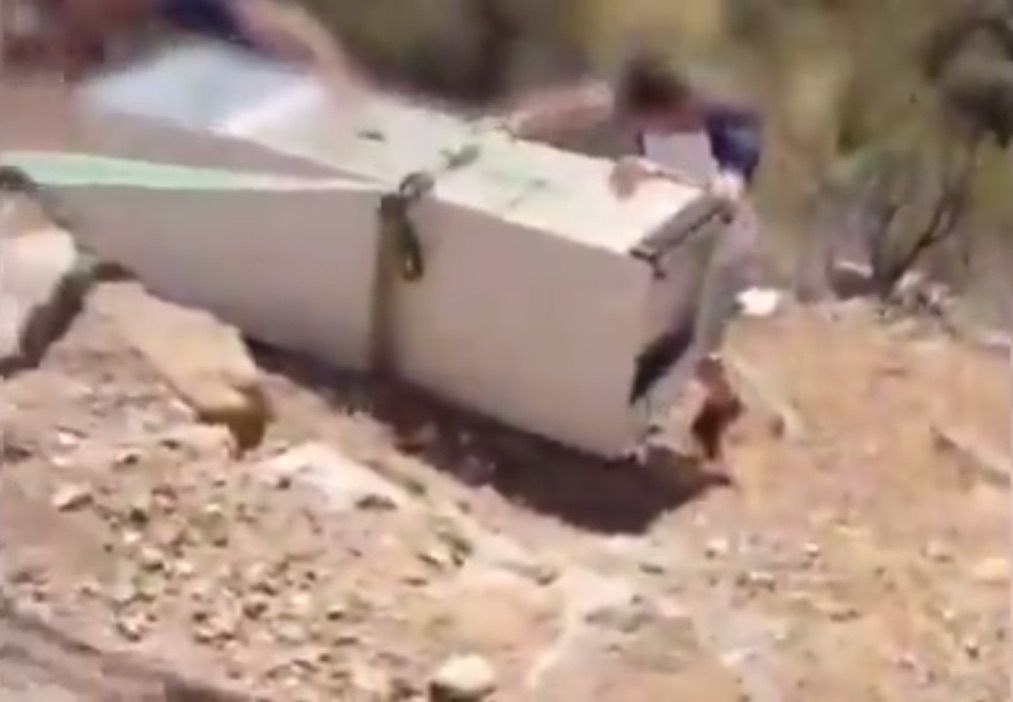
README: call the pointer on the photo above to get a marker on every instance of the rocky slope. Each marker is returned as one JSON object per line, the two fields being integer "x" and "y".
{"x": 374, "y": 537}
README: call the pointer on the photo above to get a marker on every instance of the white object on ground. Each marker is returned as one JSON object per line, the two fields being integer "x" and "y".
{"x": 759, "y": 302}
{"x": 466, "y": 678}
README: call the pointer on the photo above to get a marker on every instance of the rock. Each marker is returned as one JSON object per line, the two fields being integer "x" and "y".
{"x": 345, "y": 483}
{"x": 126, "y": 457}
{"x": 759, "y": 302}
{"x": 754, "y": 580}
{"x": 992, "y": 571}
{"x": 203, "y": 359}
{"x": 67, "y": 439}
{"x": 717, "y": 547}
{"x": 69, "y": 497}
{"x": 132, "y": 626}
{"x": 938, "y": 551}
{"x": 214, "y": 524}
{"x": 465, "y": 678}
{"x": 437, "y": 556}
{"x": 495, "y": 609}
{"x": 43, "y": 279}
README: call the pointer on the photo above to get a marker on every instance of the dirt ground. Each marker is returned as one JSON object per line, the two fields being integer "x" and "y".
{"x": 859, "y": 560}
{"x": 857, "y": 557}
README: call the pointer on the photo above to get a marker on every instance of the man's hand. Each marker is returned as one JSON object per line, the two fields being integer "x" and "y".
{"x": 727, "y": 186}
{"x": 629, "y": 172}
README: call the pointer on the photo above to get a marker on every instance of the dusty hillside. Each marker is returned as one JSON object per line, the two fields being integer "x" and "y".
{"x": 857, "y": 560}
{"x": 858, "y": 557}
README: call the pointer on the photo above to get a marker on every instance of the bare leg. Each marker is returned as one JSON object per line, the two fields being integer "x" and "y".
{"x": 721, "y": 407}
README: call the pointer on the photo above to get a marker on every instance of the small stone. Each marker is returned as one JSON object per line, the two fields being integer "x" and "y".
{"x": 70, "y": 497}
{"x": 67, "y": 439}
{"x": 132, "y": 626}
{"x": 937, "y": 551}
{"x": 255, "y": 607}
{"x": 127, "y": 457}
{"x": 122, "y": 593}
{"x": 838, "y": 611}
{"x": 336, "y": 612}
{"x": 301, "y": 604}
{"x": 148, "y": 588}
{"x": 214, "y": 627}
{"x": 151, "y": 558}
{"x": 717, "y": 548}
{"x": 653, "y": 567}
{"x": 290, "y": 633}
{"x": 436, "y": 557}
{"x": 466, "y": 678}
{"x": 215, "y": 524}
{"x": 376, "y": 502}
{"x": 89, "y": 588}
{"x": 182, "y": 568}
{"x": 346, "y": 639}
{"x": 758, "y": 579}
{"x": 971, "y": 648}
{"x": 992, "y": 571}
{"x": 140, "y": 509}
{"x": 415, "y": 580}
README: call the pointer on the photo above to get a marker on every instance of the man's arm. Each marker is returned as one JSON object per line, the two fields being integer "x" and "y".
{"x": 561, "y": 110}
{"x": 292, "y": 34}
{"x": 284, "y": 31}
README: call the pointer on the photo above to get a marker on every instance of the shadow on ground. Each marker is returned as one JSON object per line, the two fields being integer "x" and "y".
{"x": 583, "y": 491}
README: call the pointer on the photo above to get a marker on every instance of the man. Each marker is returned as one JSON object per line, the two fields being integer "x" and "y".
{"x": 659, "y": 108}
{"x": 684, "y": 136}
{"x": 76, "y": 34}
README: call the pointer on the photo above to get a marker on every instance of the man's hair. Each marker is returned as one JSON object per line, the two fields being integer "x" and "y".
{"x": 649, "y": 84}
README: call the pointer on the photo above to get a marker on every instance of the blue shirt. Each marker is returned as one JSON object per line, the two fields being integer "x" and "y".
{"x": 736, "y": 139}
{"x": 212, "y": 18}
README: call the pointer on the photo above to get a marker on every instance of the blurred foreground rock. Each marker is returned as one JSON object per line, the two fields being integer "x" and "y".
{"x": 43, "y": 279}
{"x": 205, "y": 361}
